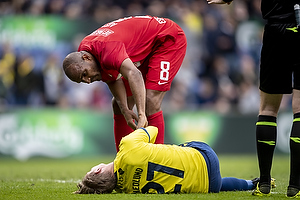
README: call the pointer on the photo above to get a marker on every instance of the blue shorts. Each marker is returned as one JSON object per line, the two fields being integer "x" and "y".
{"x": 212, "y": 162}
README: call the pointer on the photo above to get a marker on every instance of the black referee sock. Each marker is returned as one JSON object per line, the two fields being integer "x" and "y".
{"x": 295, "y": 152}
{"x": 266, "y": 133}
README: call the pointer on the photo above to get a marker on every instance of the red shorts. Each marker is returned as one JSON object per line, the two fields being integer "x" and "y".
{"x": 162, "y": 65}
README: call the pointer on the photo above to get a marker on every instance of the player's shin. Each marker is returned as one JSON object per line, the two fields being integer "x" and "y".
{"x": 157, "y": 119}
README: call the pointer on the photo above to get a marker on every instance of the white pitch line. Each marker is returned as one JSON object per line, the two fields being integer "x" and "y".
{"x": 50, "y": 180}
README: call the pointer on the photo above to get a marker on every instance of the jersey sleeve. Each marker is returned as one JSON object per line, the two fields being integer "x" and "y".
{"x": 138, "y": 143}
{"x": 140, "y": 136}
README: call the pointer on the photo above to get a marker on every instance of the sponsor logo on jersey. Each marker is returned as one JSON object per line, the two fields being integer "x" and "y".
{"x": 120, "y": 181}
{"x": 102, "y": 32}
{"x": 121, "y": 172}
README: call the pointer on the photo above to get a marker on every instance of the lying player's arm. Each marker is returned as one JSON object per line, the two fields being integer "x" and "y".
{"x": 137, "y": 86}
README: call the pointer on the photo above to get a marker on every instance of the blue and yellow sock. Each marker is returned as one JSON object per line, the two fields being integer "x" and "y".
{"x": 235, "y": 184}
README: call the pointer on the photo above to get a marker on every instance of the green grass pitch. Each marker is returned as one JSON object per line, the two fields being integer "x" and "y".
{"x": 41, "y": 178}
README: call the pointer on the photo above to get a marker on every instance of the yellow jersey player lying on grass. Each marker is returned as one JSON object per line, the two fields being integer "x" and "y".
{"x": 144, "y": 167}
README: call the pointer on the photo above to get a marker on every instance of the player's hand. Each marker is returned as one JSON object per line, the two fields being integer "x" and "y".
{"x": 142, "y": 122}
{"x": 217, "y": 2}
{"x": 131, "y": 117}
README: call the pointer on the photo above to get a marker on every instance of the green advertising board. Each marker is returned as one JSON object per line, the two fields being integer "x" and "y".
{"x": 59, "y": 133}
{"x": 55, "y": 133}
{"x": 43, "y": 31}
{"x": 194, "y": 126}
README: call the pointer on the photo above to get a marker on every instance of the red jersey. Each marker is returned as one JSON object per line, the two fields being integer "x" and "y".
{"x": 131, "y": 37}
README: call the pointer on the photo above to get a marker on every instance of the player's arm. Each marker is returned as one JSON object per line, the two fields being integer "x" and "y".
{"x": 137, "y": 86}
{"x": 118, "y": 90}
{"x": 219, "y": 1}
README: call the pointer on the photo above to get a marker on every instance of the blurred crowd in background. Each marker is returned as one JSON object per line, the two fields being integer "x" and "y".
{"x": 220, "y": 70}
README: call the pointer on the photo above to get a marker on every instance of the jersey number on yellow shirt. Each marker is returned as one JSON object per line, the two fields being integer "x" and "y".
{"x": 152, "y": 167}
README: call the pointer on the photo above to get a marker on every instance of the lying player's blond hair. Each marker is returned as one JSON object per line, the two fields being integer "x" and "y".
{"x": 96, "y": 183}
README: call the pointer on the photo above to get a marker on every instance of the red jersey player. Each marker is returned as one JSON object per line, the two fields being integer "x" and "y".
{"x": 137, "y": 57}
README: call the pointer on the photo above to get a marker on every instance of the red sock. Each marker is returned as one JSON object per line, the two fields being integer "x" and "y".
{"x": 157, "y": 119}
{"x": 121, "y": 129}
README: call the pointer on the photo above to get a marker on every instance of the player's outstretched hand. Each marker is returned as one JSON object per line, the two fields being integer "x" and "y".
{"x": 142, "y": 122}
{"x": 131, "y": 117}
{"x": 217, "y": 2}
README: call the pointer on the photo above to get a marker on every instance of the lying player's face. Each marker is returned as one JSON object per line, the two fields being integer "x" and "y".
{"x": 100, "y": 178}
{"x": 99, "y": 168}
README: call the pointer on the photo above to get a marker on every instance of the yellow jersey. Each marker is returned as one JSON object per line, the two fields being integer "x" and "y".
{"x": 144, "y": 167}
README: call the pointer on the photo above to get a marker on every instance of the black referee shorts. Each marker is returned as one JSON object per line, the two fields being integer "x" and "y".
{"x": 280, "y": 59}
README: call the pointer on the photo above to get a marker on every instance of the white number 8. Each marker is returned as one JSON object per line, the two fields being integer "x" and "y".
{"x": 164, "y": 73}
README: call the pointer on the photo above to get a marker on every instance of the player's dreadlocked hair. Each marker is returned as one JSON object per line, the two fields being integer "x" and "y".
{"x": 96, "y": 183}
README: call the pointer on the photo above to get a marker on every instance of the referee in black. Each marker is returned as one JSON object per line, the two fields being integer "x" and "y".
{"x": 279, "y": 74}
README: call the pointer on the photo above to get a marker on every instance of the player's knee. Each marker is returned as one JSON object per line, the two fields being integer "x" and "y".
{"x": 153, "y": 101}
{"x": 152, "y": 106}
